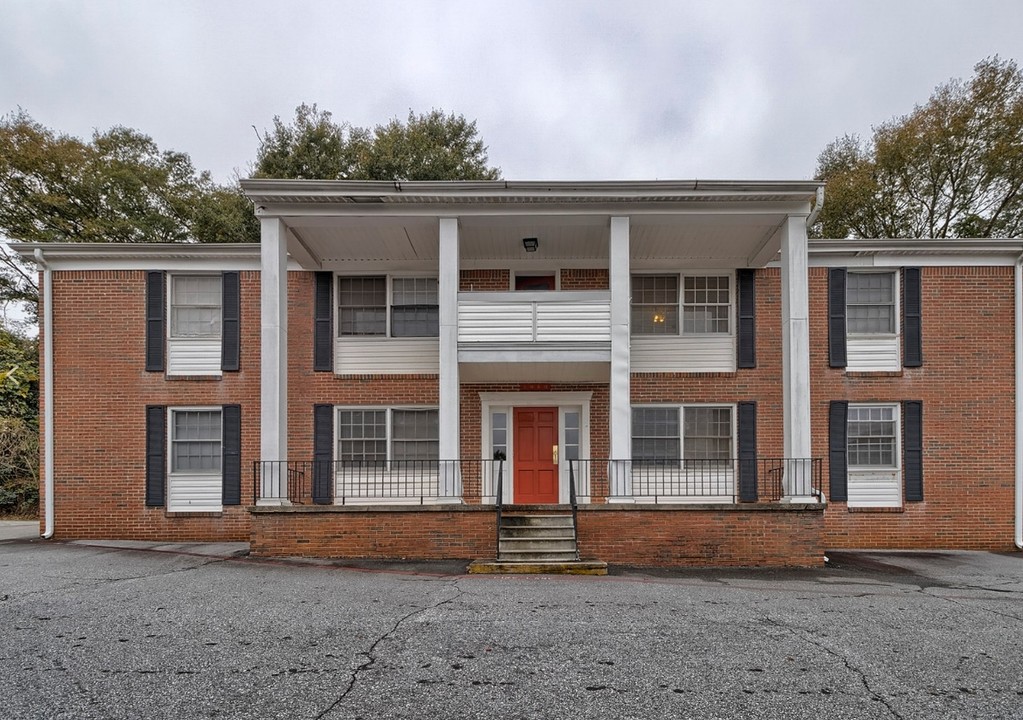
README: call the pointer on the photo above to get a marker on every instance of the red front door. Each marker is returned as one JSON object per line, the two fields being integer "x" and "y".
{"x": 536, "y": 469}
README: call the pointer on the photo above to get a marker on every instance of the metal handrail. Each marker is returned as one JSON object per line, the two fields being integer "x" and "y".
{"x": 499, "y": 501}
{"x": 575, "y": 508}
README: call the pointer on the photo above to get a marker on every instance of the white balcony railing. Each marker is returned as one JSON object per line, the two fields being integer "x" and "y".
{"x": 534, "y": 317}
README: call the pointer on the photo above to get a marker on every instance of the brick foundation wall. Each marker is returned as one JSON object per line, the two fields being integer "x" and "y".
{"x": 663, "y": 536}
{"x": 410, "y": 533}
{"x": 102, "y": 389}
{"x": 966, "y": 385}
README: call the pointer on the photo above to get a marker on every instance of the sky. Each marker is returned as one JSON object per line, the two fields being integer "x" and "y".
{"x": 560, "y": 89}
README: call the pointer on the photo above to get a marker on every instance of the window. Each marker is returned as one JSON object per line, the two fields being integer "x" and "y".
{"x": 870, "y": 303}
{"x": 655, "y": 304}
{"x": 499, "y": 434}
{"x": 377, "y": 436}
{"x": 363, "y": 306}
{"x": 195, "y": 442}
{"x": 414, "y": 308}
{"x": 693, "y": 433}
{"x": 872, "y": 436}
{"x": 706, "y": 304}
{"x": 195, "y": 306}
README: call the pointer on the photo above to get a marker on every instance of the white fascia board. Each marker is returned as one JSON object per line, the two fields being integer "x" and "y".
{"x": 143, "y": 256}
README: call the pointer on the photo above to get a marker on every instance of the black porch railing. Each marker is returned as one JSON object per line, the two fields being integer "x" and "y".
{"x": 661, "y": 481}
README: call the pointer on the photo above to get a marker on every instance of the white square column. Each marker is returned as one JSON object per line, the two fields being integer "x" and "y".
{"x": 448, "y": 410}
{"x": 795, "y": 360}
{"x": 620, "y": 401}
{"x": 273, "y": 374}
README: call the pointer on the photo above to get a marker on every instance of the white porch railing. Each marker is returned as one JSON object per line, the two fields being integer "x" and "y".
{"x": 534, "y": 317}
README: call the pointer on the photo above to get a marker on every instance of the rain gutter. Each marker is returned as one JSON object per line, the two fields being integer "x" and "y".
{"x": 47, "y": 390}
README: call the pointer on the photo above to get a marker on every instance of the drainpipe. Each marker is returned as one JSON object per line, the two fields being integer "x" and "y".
{"x": 47, "y": 390}
{"x": 1019, "y": 401}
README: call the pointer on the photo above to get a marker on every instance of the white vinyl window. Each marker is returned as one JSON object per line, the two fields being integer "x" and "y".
{"x": 388, "y": 307}
{"x": 704, "y": 303}
{"x": 195, "y": 302}
{"x": 696, "y": 433}
{"x": 870, "y": 303}
{"x": 874, "y": 455}
{"x": 379, "y": 435}
{"x": 195, "y": 481}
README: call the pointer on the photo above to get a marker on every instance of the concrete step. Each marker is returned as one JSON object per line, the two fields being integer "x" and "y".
{"x": 536, "y": 521}
{"x": 570, "y": 567}
{"x": 564, "y": 544}
{"x": 535, "y": 531}
{"x": 537, "y": 555}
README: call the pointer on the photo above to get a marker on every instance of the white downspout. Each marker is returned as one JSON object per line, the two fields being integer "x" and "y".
{"x": 47, "y": 391}
{"x": 816, "y": 209}
{"x": 1019, "y": 400}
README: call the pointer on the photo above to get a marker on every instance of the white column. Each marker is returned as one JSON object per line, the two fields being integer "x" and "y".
{"x": 621, "y": 402}
{"x": 795, "y": 359}
{"x": 448, "y": 401}
{"x": 273, "y": 387}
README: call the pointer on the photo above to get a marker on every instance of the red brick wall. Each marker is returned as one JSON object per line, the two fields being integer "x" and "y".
{"x": 485, "y": 280}
{"x": 662, "y": 536}
{"x": 102, "y": 389}
{"x": 400, "y": 533}
{"x": 966, "y": 385}
{"x": 585, "y": 279}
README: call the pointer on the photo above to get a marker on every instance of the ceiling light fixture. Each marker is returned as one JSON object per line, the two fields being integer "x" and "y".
{"x": 531, "y": 244}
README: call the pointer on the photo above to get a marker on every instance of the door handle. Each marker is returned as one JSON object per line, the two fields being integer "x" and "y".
{"x": 554, "y": 454}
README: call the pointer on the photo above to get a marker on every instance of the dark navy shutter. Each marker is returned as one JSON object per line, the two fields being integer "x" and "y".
{"x": 836, "y": 317}
{"x": 230, "y": 321}
{"x": 156, "y": 454}
{"x": 323, "y": 325}
{"x": 155, "y": 321}
{"x": 747, "y": 440}
{"x": 838, "y": 429}
{"x": 913, "y": 450}
{"x": 746, "y": 345}
{"x": 323, "y": 454}
{"x": 231, "y": 451}
{"x": 912, "y": 335}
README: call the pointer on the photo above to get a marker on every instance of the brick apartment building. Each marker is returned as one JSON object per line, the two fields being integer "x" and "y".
{"x": 672, "y": 365}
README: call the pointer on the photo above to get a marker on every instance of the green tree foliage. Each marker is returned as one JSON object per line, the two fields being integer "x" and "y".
{"x": 19, "y": 424}
{"x": 951, "y": 168}
{"x": 433, "y": 146}
{"x": 117, "y": 187}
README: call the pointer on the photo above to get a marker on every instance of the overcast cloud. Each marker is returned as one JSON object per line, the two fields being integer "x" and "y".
{"x": 560, "y": 89}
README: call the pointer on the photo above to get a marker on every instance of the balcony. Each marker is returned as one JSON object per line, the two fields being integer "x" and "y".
{"x": 537, "y": 328}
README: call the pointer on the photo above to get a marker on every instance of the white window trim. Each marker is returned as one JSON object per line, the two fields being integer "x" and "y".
{"x": 865, "y": 471}
{"x": 680, "y": 407}
{"x": 195, "y": 476}
{"x": 207, "y": 349}
{"x": 680, "y": 304}
{"x": 896, "y": 305}
{"x": 389, "y": 290}
{"x": 388, "y": 422}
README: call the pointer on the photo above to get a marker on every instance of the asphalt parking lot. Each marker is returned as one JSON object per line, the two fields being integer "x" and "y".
{"x": 93, "y": 631}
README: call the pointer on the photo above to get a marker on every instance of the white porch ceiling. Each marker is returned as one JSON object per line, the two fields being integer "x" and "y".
{"x": 719, "y": 240}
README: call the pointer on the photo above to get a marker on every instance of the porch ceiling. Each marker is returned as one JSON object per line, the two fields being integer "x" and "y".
{"x": 712, "y": 240}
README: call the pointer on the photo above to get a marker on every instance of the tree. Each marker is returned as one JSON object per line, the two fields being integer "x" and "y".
{"x": 433, "y": 146}
{"x": 951, "y": 168}
{"x": 19, "y": 423}
{"x": 118, "y": 187}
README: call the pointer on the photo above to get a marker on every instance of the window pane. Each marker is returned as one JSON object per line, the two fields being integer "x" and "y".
{"x": 415, "y": 321}
{"x": 195, "y": 441}
{"x": 654, "y": 305}
{"x": 414, "y": 435}
{"x": 195, "y": 306}
{"x": 870, "y": 303}
{"x": 499, "y": 435}
{"x": 363, "y": 305}
{"x": 706, "y": 304}
{"x": 872, "y": 437}
{"x": 655, "y": 434}
{"x": 708, "y": 433}
{"x": 572, "y": 435}
{"x": 362, "y": 436}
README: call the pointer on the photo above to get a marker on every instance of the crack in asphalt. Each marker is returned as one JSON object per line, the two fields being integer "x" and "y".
{"x": 972, "y": 606}
{"x": 369, "y": 653}
{"x": 807, "y": 637}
